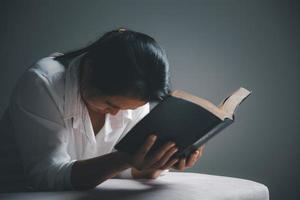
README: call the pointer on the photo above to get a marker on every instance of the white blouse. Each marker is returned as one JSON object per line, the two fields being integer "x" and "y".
{"x": 51, "y": 125}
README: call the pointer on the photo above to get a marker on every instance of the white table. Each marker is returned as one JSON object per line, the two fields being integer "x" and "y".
{"x": 173, "y": 186}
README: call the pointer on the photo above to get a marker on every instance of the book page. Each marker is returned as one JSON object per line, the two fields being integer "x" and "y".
{"x": 224, "y": 110}
{"x": 230, "y": 103}
{"x": 201, "y": 102}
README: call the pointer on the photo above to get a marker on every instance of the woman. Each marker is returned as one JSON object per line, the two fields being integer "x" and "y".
{"x": 68, "y": 111}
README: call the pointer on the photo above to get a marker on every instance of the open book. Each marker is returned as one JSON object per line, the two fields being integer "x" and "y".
{"x": 185, "y": 119}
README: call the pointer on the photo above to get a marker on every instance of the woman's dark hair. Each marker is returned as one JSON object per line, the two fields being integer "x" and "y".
{"x": 125, "y": 63}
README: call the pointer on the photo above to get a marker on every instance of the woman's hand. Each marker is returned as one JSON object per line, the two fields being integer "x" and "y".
{"x": 185, "y": 163}
{"x": 181, "y": 165}
{"x": 146, "y": 174}
{"x": 150, "y": 166}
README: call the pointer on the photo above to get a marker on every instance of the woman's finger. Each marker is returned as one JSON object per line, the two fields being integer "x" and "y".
{"x": 181, "y": 165}
{"x": 192, "y": 158}
{"x": 201, "y": 150}
{"x": 165, "y": 158}
{"x": 141, "y": 153}
{"x": 159, "y": 153}
{"x": 154, "y": 174}
{"x": 169, "y": 164}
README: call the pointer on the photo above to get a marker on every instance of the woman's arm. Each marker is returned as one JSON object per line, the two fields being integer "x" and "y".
{"x": 87, "y": 174}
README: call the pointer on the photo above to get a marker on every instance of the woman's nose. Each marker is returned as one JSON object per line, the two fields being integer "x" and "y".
{"x": 114, "y": 111}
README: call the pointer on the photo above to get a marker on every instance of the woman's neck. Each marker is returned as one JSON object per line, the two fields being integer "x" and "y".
{"x": 97, "y": 120}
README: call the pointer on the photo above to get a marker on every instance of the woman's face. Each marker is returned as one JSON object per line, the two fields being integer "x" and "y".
{"x": 112, "y": 104}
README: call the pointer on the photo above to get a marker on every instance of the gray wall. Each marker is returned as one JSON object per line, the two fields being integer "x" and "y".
{"x": 213, "y": 47}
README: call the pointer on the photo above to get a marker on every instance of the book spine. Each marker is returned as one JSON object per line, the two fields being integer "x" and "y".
{"x": 206, "y": 137}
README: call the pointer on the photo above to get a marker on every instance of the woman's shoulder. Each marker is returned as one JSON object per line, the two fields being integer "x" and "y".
{"x": 51, "y": 72}
{"x": 48, "y": 66}
{"x": 42, "y": 83}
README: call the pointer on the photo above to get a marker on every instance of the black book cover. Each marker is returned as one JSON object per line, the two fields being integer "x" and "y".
{"x": 174, "y": 119}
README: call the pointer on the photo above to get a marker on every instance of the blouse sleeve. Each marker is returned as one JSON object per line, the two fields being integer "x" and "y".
{"x": 40, "y": 134}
